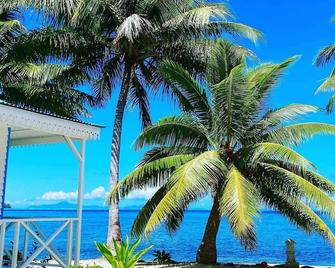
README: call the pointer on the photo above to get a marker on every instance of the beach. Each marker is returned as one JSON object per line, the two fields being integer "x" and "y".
{"x": 102, "y": 262}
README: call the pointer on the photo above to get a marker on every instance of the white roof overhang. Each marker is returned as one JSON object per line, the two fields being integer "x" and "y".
{"x": 34, "y": 127}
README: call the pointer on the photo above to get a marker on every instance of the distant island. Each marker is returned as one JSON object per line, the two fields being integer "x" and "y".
{"x": 63, "y": 205}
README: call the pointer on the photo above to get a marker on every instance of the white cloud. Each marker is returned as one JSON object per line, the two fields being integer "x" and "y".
{"x": 142, "y": 194}
{"x": 59, "y": 195}
{"x": 97, "y": 193}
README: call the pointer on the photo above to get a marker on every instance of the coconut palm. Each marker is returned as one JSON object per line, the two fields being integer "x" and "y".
{"x": 30, "y": 82}
{"x": 120, "y": 43}
{"x": 228, "y": 145}
{"x": 324, "y": 57}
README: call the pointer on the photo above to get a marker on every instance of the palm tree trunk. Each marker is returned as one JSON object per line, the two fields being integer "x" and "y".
{"x": 207, "y": 250}
{"x": 114, "y": 228}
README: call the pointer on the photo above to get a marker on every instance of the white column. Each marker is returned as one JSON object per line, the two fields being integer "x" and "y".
{"x": 80, "y": 200}
{"x": 16, "y": 244}
{"x": 69, "y": 244}
{"x": 25, "y": 245}
{"x": 4, "y": 145}
{"x": 2, "y": 240}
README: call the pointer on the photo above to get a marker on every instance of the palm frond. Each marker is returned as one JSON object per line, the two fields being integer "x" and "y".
{"x": 190, "y": 94}
{"x": 286, "y": 113}
{"x": 138, "y": 98}
{"x": 263, "y": 78}
{"x": 199, "y": 16}
{"x": 63, "y": 101}
{"x": 319, "y": 181}
{"x": 132, "y": 27}
{"x": 297, "y": 133}
{"x": 330, "y": 104}
{"x": 189, "y": 182}
{"x": 229, "y": 99}
{"x": 312, "y": 193}
{"x": 240, "y": 204}
{"x": 31, "y": 73}
{"x": 145, "y": 213}
{"x": 288, "y": 206}
{"x": 224, "y": 56}
{"x": 325, "y": 55}
{"x": 154, "y": 154}
{"x": 56, "y": 11}
{"x": 13, "y": 26}
{"x": 297, "y": 212}
{"x": 328, "y": 84}
{"x": 152, "y": 174}
{"x": 312, "y": 176}
{"x": 239, "y": 29}
{"x": 319, "y": 225}
{"x": 269, "y": 151}
{"x": 110, "y": 75}
{"x": 160, "y": 152}
{"x": 174, "y": 131}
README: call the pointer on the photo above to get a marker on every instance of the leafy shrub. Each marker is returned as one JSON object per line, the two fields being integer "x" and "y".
{"x": 124, "y": 253}
{"x": 162, "y": 257}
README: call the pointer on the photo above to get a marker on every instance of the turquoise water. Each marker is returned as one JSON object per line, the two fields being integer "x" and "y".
{"x": 272, "y": 231}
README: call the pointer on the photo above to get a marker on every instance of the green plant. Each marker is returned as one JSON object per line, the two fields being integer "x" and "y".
{"x": 230, "y": 146}
{"x": 162, "y": 257}
{"x": 124, "y": 256}
{"x": 87, "y": 266}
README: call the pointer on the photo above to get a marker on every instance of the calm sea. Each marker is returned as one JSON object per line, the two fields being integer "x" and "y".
{"x": 272, "y": 231}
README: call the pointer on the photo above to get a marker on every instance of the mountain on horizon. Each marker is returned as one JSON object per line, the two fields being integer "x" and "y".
{"x": 63, "y": 205}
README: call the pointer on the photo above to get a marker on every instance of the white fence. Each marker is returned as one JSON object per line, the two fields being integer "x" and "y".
{"x": 26, "y": 231}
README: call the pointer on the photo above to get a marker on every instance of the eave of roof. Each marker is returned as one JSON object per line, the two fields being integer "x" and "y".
{"x": 44, "y": 112}
{"x": 43, "y": 127}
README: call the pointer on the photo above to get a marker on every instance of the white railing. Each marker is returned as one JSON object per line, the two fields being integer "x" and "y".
{"x": 27, "y": 231}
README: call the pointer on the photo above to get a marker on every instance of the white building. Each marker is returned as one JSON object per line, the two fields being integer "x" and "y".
{"x": 24, "y": 126}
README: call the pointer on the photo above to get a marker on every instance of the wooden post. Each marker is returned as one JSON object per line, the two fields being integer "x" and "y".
{"x": 80, "y": 200}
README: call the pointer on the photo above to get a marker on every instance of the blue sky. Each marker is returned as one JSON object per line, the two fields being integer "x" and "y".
{"x": 48, "y": 174}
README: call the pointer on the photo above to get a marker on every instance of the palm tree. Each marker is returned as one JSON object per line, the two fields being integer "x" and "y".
{"x": 324, "y": 57}
{"x": 120, "y": 44}
{"x": 228, "y": 145}
{"x": 41, "y": 85}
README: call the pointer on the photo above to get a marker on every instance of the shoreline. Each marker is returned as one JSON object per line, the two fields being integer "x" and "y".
{"x": 102, "y": 262}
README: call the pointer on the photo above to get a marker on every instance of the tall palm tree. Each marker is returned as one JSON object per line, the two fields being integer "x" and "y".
{"x": 42, "y": 85}
{"x": 227, "y": 144}
{"x": 324, "y": 57}
{"x": 120, "y": 44}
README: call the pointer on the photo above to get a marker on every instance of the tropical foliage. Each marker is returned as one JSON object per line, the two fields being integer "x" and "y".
{"x": 229, "y": 145}
{"x": 324, "y": 57}
{"x": 33, "y": 81}
{"x": 162, "y": 257}
{"x": 87, "y": 266}
{"x": 121, "y": 43}
{"x": 124, "y": 256}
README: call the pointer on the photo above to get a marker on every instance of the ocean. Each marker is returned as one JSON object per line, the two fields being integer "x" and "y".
{"x": 272, "y": 231}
